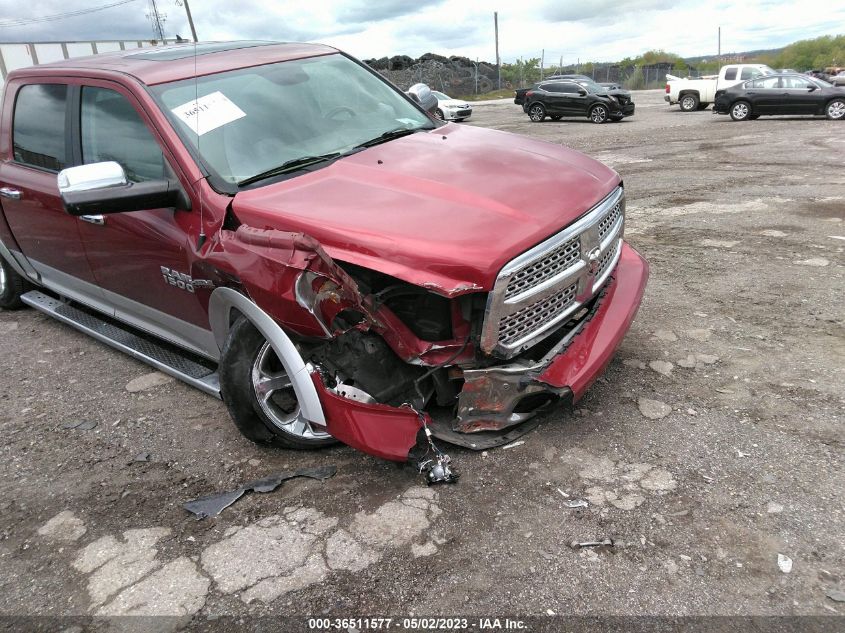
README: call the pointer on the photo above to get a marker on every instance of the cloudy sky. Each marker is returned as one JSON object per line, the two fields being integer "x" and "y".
{"x": 601, "y": 30}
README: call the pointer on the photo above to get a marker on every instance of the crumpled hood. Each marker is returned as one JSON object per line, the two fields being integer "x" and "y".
{"x": 444, "y": 209}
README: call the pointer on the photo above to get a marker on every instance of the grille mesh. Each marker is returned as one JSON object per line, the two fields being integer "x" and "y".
{"x": 530, "y": 318}
{"x": 608, "y": 221}
{"x": 559, "y": 259}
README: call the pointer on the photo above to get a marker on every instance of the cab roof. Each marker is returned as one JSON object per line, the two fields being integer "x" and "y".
{"x": 163, "y": 64}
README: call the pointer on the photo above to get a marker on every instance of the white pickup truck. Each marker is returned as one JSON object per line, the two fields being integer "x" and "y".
{"x": 697, "y": 94}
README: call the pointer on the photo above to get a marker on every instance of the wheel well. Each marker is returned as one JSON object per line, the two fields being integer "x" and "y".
{"x": 684, "y": 93}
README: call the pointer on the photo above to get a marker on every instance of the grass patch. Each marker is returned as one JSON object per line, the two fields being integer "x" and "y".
{"x": 496, "y": 94}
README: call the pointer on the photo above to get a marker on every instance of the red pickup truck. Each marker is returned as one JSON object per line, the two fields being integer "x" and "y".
{"x": 279, "y": 226}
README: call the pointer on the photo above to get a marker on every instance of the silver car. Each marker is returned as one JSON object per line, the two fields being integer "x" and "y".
{"x": 450, "y": 109}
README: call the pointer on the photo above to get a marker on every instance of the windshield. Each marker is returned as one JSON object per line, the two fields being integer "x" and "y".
{"x": 591, "y": 86}
{"x": 251, "y": 121}
{"x": 440, "y": 95}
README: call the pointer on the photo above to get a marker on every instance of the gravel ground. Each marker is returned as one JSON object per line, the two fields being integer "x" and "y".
{"x": 712, "y": 446}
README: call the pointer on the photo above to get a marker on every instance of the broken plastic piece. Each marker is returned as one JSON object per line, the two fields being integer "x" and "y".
{"x": 577, "y": 503}
{"x": 212, "y": 505}
{"x": 608, "y": 542}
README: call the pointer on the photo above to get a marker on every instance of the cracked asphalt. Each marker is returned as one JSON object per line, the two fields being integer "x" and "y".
{"x": 711, "y": 451}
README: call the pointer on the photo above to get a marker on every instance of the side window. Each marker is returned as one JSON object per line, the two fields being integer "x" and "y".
{"x": 750, "y": 73}
{"x": 569, "y": 88}
{"x": 38, "y": 132}
{"x": 112, "y": 129}
{"x": 797, "y": 83}
{"x": 730, "y": 73}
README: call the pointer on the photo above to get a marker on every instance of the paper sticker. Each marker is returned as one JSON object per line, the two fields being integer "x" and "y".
{"x": 208, "y": 113}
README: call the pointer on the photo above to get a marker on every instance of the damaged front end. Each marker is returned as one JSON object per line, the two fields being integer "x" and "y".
{"x": 395, "y": 363}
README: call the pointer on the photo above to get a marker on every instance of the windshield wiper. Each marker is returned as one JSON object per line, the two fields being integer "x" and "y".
{"x": 389, "y": 136}
{"x": 289, "y": 166}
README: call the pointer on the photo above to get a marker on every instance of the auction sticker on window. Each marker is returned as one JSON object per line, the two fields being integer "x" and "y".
{"x": 208, "y": 113}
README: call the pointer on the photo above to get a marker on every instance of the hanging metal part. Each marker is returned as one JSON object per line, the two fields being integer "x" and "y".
{"x": 434, "y": 465}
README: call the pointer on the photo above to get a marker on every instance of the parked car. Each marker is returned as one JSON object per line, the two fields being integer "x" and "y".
{"x": 697, "y": 94}
{"x": 610, "y": 85}
{"x": 781, "y": 94}
{"x": 450, "y": 109}
{"x": 565, "y": 97}
{"x": 279, "y": 226}
{"x": 838, "y": 80}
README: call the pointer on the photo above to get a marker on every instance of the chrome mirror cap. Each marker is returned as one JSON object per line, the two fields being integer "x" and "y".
{"x": 90, "y": 177}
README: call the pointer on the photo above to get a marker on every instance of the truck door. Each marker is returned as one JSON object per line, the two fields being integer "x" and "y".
{"x": 39, "y": 117}
{"x": 136, "y": 257}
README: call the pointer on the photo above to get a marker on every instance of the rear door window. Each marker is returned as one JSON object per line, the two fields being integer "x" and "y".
{"x": 112, "y": 130}
{"x": 39, "y": 130}
{"x": 730, "y": 73}
{"x": 750, "y": 73}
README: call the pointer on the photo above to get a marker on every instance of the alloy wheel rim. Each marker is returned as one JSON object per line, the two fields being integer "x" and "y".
{"x": 688, "y": 103}
{"x": 740, "y": 110}
{"x": 3, "y": 280}
{"x": 277, "y": 397}
{"x": 599, "y": 114}
{"x": 536, "y": 113}
{"x": 837, "y": 109}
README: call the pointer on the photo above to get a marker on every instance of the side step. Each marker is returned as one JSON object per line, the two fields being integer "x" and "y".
{"x": 168, "y": 359}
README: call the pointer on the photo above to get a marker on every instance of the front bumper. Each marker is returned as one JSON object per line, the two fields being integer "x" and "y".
{"x": 457, "y": 115}
{"x": 625, "y": 110}
{"x": 490, "y": 397}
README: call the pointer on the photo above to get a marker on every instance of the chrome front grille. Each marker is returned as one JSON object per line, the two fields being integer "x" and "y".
{"x": 542, "y": 287}
{"x": 515, "y": 326}
{"x": 533, "y": 275}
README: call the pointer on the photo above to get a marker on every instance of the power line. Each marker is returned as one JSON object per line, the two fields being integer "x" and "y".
{"x": 60, "y": 16}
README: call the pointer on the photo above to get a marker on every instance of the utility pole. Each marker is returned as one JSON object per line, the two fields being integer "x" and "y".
{"x": 542, "y": 62}
{"x": 157, "y": 19}
{"x": 498, "y": 61}
{"x": 190, "y": 20}
{"x": 720, "y": 46}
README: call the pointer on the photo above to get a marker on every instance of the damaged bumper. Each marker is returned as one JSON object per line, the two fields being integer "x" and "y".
{"x": 503, "y": 397}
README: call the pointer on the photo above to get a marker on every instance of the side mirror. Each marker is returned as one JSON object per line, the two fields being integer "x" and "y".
{"x": 421, "y": 94}
{"x": 811, "y": 87}
{"x": 582, "y": 92}
{"x": 101, "y": 188}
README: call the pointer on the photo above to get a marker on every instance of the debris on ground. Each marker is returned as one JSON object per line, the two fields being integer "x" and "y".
{"x": 608, "y": 542}
{"x": 577, "y": 503}
{"x": 562, "y": 493}
{"x": 837, "y": 595}
{"x": 80, "y": 425}
{"x": 212, "y": 505}
{"x": 514, "y": 444}
{"x": 784, "y": 563}
{"x": 141, "y": 457}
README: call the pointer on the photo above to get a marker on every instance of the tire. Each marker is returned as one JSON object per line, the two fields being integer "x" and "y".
{"x": 835, "y": 110}
{"x": 689, "y": 102}
{"x": 556, "y": 117}
{"x": 439, "y": 114}
{"x": 275, "y": 419}
{"x": 12, "y": 286}
{"x": 598, "y": 114}
{"x": 740, "y": 111}
{"x": 536, "y": 112}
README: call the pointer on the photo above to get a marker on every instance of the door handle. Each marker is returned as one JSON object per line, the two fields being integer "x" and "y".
{"x": 9, "y": 192}
{"x": 99, "y": 220}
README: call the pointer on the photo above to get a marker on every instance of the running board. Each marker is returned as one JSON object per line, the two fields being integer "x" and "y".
{"x": 164, "y": 357}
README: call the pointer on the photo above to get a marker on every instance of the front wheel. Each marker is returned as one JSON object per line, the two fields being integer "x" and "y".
{"x": 537, "y": 112}
{"x": 689, "y": 103}
{"x": 439, "y": 114}
{"x": 598, "y": 114}
{"x": 740, "y": 111}
{"x": 835, "y": 110}
{"x": 12, "y": 286}
{"x": 259, "y": 394}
